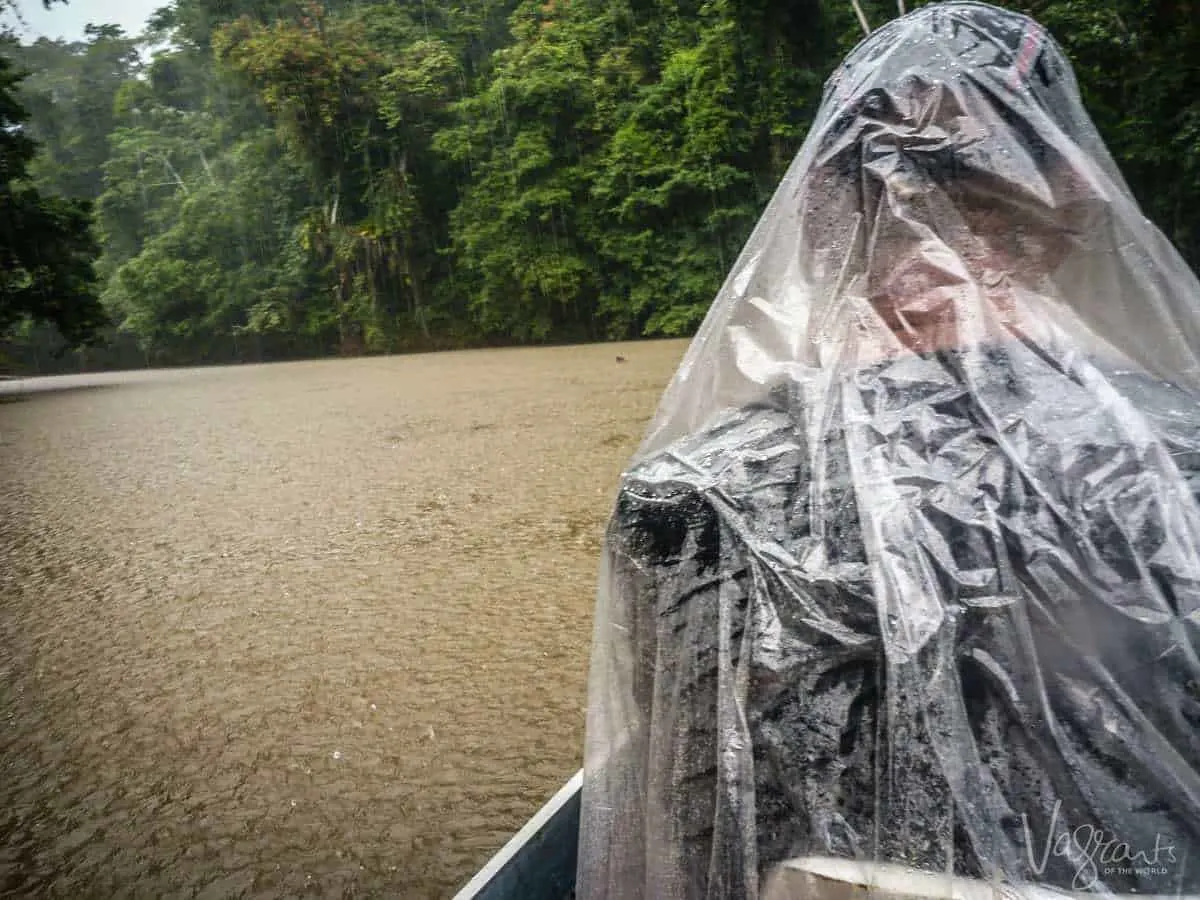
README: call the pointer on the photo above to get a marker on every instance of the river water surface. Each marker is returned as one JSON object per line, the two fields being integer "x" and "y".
{"x": 311, "y": 629}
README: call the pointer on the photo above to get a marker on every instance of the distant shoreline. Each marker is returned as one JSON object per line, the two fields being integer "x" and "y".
{"x": 16, "y": 385}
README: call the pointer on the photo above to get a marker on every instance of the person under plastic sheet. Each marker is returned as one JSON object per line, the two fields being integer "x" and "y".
{"x": 907, "y": 568}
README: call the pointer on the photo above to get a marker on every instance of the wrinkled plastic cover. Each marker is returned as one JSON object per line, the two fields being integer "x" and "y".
{"x": 900, "y": 594}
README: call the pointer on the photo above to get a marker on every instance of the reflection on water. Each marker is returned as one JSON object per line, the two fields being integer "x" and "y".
{"x": 304, "y": 629}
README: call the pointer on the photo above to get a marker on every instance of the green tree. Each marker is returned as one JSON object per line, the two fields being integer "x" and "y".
{"x": 528, "y": 138}
{"x": 69, "y": 95}
{"x": 46, "y": 246}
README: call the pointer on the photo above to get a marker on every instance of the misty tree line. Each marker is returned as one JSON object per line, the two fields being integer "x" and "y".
{"x": 299, "y": 179}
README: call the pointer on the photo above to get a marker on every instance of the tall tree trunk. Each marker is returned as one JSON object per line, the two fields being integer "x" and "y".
{"x": 416, "y": 290}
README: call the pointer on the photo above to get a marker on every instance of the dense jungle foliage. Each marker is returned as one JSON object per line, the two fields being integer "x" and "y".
{"x": 268, "y": 179}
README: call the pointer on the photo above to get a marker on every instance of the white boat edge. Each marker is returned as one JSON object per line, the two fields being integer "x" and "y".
{"x": 827, "y": 878}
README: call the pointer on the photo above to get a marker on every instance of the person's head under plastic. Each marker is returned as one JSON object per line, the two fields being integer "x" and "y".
{"x": 952, "y": 192}
{"x": 946, "y": 201}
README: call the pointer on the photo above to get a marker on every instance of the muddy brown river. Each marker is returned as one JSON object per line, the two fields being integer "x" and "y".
{"x": 311, "y": 629}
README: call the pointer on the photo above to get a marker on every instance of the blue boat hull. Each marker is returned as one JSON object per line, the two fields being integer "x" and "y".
{"x": 538, "y": 863}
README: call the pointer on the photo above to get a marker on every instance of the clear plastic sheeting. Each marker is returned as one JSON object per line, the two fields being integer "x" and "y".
{"x": 905, "y": 576}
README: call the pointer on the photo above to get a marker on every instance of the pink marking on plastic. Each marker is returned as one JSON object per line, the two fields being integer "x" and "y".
{"x": 1029, "y": 49}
